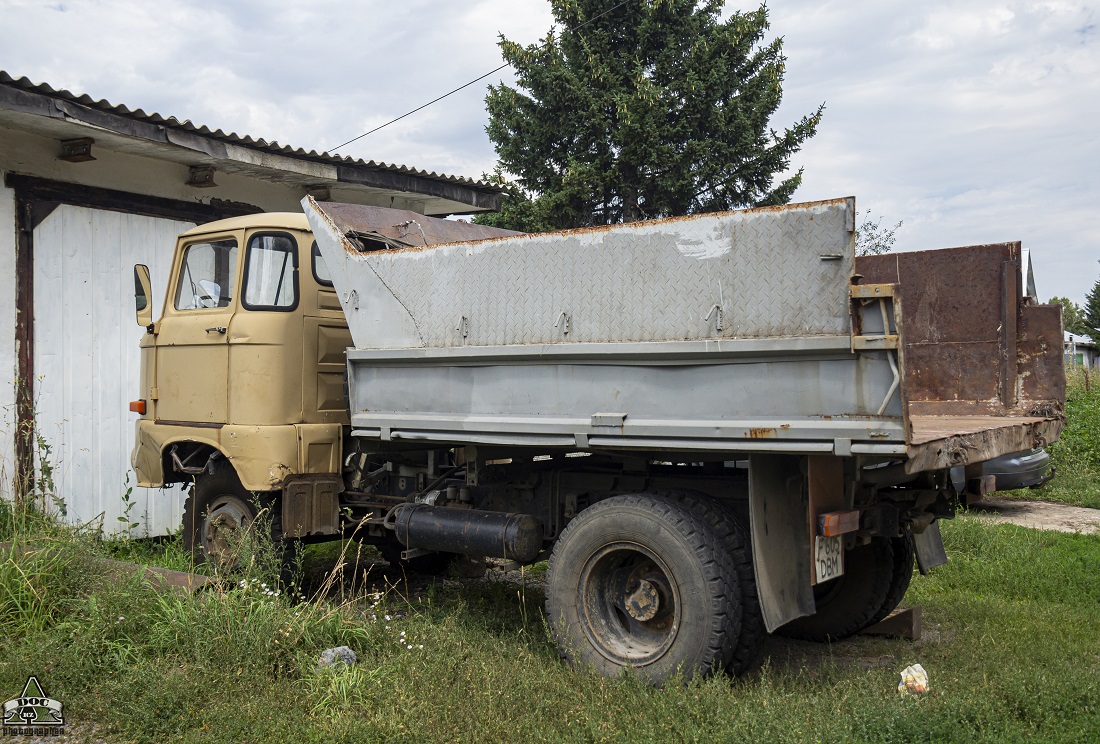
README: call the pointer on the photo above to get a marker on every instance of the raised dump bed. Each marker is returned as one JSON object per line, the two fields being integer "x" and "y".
{"x": 747, "y": 331}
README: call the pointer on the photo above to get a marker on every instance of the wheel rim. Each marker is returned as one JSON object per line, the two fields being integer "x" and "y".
{"x": 225, "y": 520}
{"x": 630, "y": 607}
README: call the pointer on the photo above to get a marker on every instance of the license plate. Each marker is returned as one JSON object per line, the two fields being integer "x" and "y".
{"x": 828, "y": 558}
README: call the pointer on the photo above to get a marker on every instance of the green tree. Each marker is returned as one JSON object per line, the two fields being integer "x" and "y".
{"x": 1092, "y": 311}
{"x": 643, "y": 109}
{"x": 1073, "y": 317}
{"x": 517, "y": 211}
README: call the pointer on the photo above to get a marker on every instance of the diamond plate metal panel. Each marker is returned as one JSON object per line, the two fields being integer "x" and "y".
{"x": 765, "y": 273}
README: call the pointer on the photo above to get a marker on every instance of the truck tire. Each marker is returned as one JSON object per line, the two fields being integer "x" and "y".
{"x": 846, "y": 604}
{"x": 902, "y": 574}
{"x": 218, "y": 506}
{"x": 644, "y": 582}
{"x": 748, "y": 649}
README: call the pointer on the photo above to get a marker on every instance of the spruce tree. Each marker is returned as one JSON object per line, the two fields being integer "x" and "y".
{"x": 655, "y": 108}
{"x": 1092, "y": 311}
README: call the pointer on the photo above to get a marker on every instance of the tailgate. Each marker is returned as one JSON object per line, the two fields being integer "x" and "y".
{"x": 982, "y": 368}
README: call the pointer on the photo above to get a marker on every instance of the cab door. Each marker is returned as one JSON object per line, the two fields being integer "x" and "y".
{"x": 192, "y": 364}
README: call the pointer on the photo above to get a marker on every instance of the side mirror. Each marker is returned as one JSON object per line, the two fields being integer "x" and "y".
{"x": 143, "y": 292}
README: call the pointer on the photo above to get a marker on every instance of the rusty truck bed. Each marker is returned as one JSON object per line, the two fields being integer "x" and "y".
{"x": 982, "y": 366}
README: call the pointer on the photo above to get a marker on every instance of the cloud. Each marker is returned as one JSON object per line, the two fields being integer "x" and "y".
{"x": 971, "y": 122}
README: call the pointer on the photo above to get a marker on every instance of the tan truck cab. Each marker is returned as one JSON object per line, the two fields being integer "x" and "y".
{"x": 243, "y": 382}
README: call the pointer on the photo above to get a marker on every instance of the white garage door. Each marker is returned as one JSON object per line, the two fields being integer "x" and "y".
{"x": 86, "y": 359}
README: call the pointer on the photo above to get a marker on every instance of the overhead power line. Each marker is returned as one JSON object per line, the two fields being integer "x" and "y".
{"x": 465, "y": 85}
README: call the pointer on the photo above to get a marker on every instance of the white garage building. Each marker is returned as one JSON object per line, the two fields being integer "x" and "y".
{"x": 88, "y": 189}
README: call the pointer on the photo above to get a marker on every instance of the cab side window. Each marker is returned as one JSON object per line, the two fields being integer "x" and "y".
{"x": 271, "y": 272}
{"x": 320, "y": 270}
{"x": 207, "y": 275}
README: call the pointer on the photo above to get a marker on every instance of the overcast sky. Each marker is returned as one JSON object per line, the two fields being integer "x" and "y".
{"x": 970, "y": 121}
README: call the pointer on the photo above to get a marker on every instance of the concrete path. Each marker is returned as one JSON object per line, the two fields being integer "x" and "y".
{"x": 1039, "y": 515}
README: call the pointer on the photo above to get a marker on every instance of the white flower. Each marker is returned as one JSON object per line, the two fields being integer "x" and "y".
{"x": 410, "y": 647}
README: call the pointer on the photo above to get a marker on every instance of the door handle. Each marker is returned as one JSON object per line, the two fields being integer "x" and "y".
{"x": 219, "y": 329}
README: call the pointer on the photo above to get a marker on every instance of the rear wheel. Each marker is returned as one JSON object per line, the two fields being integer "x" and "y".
{"x": 846, "y": 604}
{"x": 644, "y": 582}
{"x": 899, "y": 580}
{"x": 749, "y": 645}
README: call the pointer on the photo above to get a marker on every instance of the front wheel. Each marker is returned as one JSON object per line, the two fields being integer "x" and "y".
{"x": 643, "y": 582}
{"x": 217, "y": 514}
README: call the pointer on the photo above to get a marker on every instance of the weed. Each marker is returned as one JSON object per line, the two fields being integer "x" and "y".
{"x": 339, "y": 690}
{"x": 1079, "y": 444}
{"x": 35, "y": 584}
{"x": 128, "y": 505}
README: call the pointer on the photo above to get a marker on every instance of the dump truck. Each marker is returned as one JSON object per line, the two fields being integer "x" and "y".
{"x": 712, "y": 427}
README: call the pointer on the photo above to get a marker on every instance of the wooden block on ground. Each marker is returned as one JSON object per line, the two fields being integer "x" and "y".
{"x": 160, "y": 579}
{"x": 163, "y": 579}
{"x": 898, "y": 624}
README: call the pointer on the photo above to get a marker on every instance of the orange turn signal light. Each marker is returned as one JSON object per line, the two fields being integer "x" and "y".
{"x": 138, "y": 406}
{"x": 838, "y": 523}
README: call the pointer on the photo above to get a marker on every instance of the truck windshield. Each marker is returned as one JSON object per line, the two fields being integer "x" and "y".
{"x": 207, "y": 275}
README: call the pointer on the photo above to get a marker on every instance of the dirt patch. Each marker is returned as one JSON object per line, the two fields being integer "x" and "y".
{"x": 1039, "y": 515}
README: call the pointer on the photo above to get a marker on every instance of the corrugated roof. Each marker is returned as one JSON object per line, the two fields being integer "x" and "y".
{"x": 232, "y": 137}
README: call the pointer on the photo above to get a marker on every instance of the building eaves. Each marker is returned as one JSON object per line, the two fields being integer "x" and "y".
{"x": 350, "y": 170}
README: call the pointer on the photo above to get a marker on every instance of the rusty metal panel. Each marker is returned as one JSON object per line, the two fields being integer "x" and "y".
{"x": 311, "y": 506}
{"x": 779, "y": 272}
{"x": 960, "y": 310}
{"x": 399, "y": 228}
{"x": 937, "y": 442}
{"x": 826, "y": 493}
{"x": 1042, "y": 376}
{"x": 954, "y": 378}
{"x": 983, "y": 371}
{"x": 950, "y": 295}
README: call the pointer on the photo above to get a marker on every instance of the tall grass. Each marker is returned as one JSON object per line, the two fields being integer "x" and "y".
{"x": 1079, "y": 445}
{"x": 1010, "y": 643}
{"x": 1076, "y": 454}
